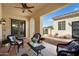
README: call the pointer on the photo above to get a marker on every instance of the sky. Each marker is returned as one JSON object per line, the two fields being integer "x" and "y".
{"x": 48, "y": 19}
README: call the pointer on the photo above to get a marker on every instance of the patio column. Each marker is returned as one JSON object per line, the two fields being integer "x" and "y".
{"x": 32, "y": 26}
{"x": 0, "y": 10}
{"x": 0, "y": 32}
{"x": 0, "y": 24}
{"x": 37, "y": 24}
{"x": 28, "y": 28}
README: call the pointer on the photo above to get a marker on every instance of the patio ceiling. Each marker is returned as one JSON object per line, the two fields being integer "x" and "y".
{"x": 40, "y": 8}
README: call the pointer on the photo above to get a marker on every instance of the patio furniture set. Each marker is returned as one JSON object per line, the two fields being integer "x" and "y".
{"x": 69, "y": 49}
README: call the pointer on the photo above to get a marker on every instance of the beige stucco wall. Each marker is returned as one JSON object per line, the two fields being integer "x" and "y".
{"x": 37, "y": 23}
{"x": 68, "y": 30}
{"x": 0, "y": 32}
{"x": 0, "y": 24}
{"x": 32, "y": 27}
{"x": 49, "y": 30}
{"x": 0, "y": 10}
{"x": 41, "y": 25}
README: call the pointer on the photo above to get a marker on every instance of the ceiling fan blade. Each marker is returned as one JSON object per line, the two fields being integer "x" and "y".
{"x": 30, "y": 11}
{"x": 19, "y": 7}
{"x": 26, "y": 5}
{"x": 23, "y": 5}
{"x": 30, "y": 7}
{"x": 23, "y": 10}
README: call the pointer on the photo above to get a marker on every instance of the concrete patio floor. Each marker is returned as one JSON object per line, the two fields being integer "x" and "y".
{"x": 50, "y": 44}
{"x": 50, "y": 50}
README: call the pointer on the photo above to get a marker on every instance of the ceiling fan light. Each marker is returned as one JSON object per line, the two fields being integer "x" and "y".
{"x": 22, "y": 11}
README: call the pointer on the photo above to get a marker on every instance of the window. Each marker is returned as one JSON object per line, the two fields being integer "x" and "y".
{"x": 61, "y": 25}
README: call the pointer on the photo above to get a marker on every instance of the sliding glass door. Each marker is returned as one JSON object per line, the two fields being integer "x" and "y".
{"x": 18, "y": 28}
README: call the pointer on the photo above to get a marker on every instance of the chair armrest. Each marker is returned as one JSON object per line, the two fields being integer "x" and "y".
{"x": 68, "y": 51}
{"x": 61, "y": 45}
{"x": 42, "y": 39}
{"x": 60, "y": 53}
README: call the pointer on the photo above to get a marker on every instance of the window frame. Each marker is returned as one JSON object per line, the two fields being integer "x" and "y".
{"x": 61, "y": 25}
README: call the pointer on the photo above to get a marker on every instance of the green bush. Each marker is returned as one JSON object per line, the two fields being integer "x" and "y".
{"x": 5, "y": 41}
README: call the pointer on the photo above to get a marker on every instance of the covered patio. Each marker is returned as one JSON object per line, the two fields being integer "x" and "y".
{"x": 33, "y": 25}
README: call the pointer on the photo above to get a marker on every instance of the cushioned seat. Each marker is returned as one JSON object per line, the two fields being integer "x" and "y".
{"x": 71, "y": 48}
{"x": 63, "y": 49}
{"x": 14, "y": 41}
{"x": 24, "y": 54}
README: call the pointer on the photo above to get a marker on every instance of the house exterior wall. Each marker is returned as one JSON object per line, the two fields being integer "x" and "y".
{"x": 49, "y": 30}
{"x": 68, "y": 30}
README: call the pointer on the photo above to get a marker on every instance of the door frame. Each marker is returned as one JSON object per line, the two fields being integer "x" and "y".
{"x": 24, "y": 26}
{"x": 72, "y": 30}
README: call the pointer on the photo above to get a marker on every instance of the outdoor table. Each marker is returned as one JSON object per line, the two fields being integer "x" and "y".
{"x": 37, "y": 48}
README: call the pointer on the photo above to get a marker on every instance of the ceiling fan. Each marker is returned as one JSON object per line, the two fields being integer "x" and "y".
{"x": 24, "y": 7}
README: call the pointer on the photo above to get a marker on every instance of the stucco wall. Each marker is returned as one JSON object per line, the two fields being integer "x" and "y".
{"x": 0, "y": 10}
{"x": 37, "y": 23}
{"x": 0, "y": 24}
{"x": 0, "y": 32}
{"x": 32, "y": 27}
{"x": 68, "y": 30}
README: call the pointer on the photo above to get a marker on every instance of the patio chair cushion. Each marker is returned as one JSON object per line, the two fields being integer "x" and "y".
{"x": 73, "y": 46}
{"x": 18, "y": 41}
{"x": 11, "y": 38}
{"x": 36, "y": 38}
{"x": 14, "y": 38}
{"x": 62, "y": 49}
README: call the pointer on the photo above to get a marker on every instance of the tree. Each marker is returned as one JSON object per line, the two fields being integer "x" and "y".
{"x": 50, "y": 27}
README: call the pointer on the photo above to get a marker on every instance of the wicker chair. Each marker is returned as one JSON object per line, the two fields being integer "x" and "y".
{"x": 69, "y": 49}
